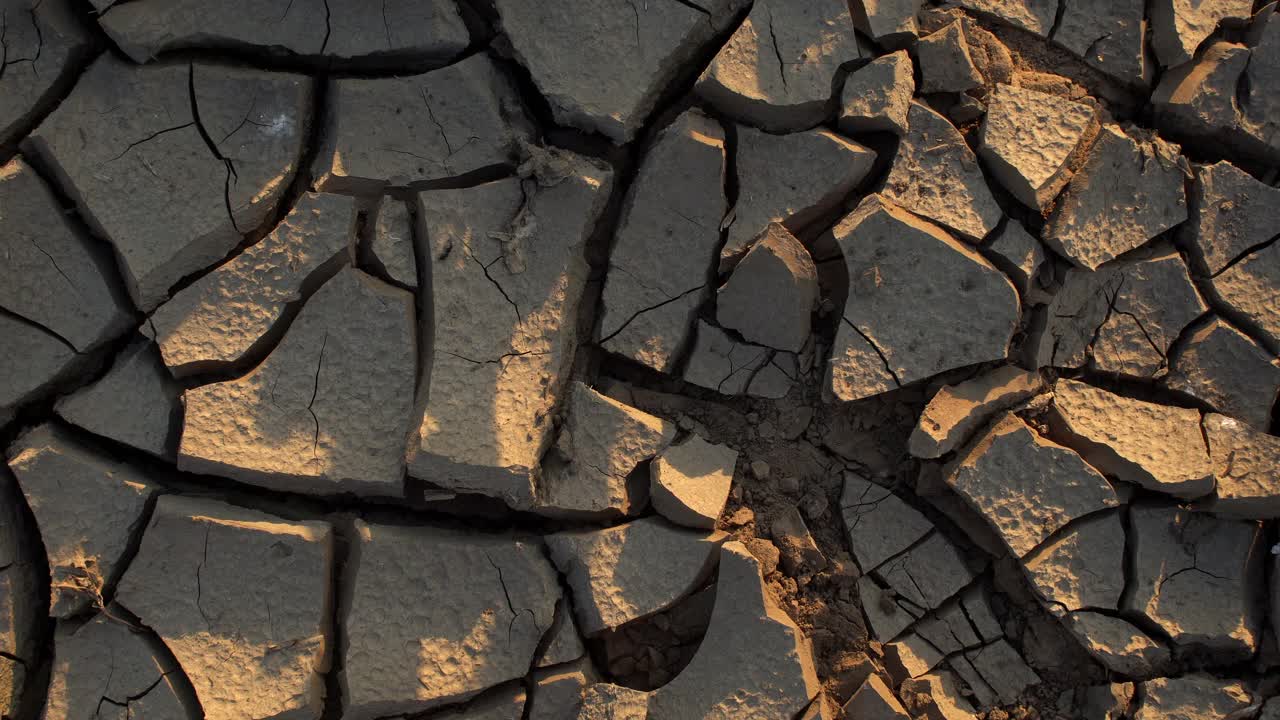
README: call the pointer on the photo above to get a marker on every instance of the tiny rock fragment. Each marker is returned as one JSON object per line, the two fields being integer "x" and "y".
{"x": 1003, "y": 669}
{"x": 223, "y": 315}
{"x": 129, "y": 146}
{"x": 1127, "y": 313}
{"x": 1109, "y": 35}
{"x": 689, "y": 483}
{"x": 1179, "y": 26}
{"x": 1128, "y": 191}
{"x": 1231, "y": 212}
{"x": 22, "y": 611}
{"x": 1025, "y": 486}
{"x": 392, "y": 245}
{"x": 401, "y": 130}
{"x": 1226, "y": 369}
{"x": 1197, "y": 101}
{"x": 1029, "y": 139}
{"x": 771, "y": 292}
{"x": 1034, "y": 16}
{"x": 956, "y": 411}
{"x": 241, "y": 598}
{"x": 791, "y": 179}
{"x": 406, "y": 30}
{"x": 601, "y": 443}
{"x": 753, "y": 663}
{"x": 878, "y": 522}
{"x": 1159, "y": 447}
{"x": 1019, "y": 254}
{"x": 944, "y": 62}
{"x": 718, "y": 362}
{"x": 603, "y": 67}
{"x": 39, "y": 52}
{"x": 937, "y": 176}
{"x": 1244, "y": 464}
{"x": 1195, "y": 575}
{"x": 87, "y": 529}
{"x": 1081, "y": 568}
{"x": 799, "y": 553}
{"x": 875, "y": 701}
{"x": 1197, "y": 696}
{"x": 632, "y": 571}
{"x": 938, "y": 696}
{"x": 105, "y": 667}
{"x": 51, "y": 275}
{"x": 605, "y": 701}
{"x": 910, "y": 312}
{"x": 891, "y": 23}
{"x": 480, "y": 606}
{"x": 666, "y": 244}
{"x": 776, "y": 71}
{"x": 1117, "y": 644}
{"x": 877, "y": 96}
{"x": 135, "y": 403}
{"x": 34, "y": 362}
{"x": 330, "y": 408}
{"x": 509, "y": 251}
{"x": 927, "y": 574}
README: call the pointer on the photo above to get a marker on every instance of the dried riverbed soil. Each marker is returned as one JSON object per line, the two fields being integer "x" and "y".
{"x": 643, "y": 359}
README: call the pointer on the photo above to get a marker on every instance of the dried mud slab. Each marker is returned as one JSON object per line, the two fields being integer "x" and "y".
{"x": 21, "y": 608}
{"x": 602, "y": 67}
{"x": 172, "y": 163}
{"x": 1109, "y": 35}
{"x": 43, "y": 43}
{"x": 877, "y": 96}
{"x": 241, "y": 599}
{"x": 511, "y": 252}
{"x": 105, "y": 668}
{"x": 392, "y": 246}
{"x": 399, "y": 30}
{"x": 753, "y": 663}
{"x": 136, "y": 402}
{"x": 1193, "y": 697}
{"x": 327, "y": 411}
{"x": 631, "y": 571}
{"x": 771, "y": 292}
{"x": 219, "y": 318}
{"x": 403, "y": 130}
{"x": 1226, "y": 369}
{"x": 690, "y": 482}
{"x": 957, "y": 411}
{"x": 86, "y": 532}
{"x": 1178, "y": 27}
{"x": 1244, "y": 466}
{"x": 36, "y": 360}
{"x": 1197, "y": 577}
{"x": 51, "y": 275}
{"x": 666, "y": 244}
{"x": 901, "y": 322}
{"x": 1033, "y": 16}
{"x": 807, "y": 42}
{"x": 481, "y": 604}
{"x": 937, "y": 176}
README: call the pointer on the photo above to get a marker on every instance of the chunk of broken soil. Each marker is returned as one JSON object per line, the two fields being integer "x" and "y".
{"x": 85, "y": 531}
{"x": 877, "y": 96}
{"x": 754, "y": 663}
{"x": 1027, "y": 487}
{"x": 328, "y": 410}
{"x": 956, "y": 411}
{"x": 242, "y": 599}
{"x": 919, "y": 303}
{"x": 689, "y": 483}
{"x": 1159, "y": 447}
{"x": 222, "y": 316}
{"x": 666, "y": 244}
{"x": 1244, "y": 465}
{"x": 1226, "y": 369}
{"x": 771, "y": 292}
{"x": 136, "y": 403}
{"x": 777, "y": 70}
{"x": 631, "y": 571}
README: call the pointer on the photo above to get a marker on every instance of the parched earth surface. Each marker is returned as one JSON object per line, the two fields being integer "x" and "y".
{"x": 639, "y": 359}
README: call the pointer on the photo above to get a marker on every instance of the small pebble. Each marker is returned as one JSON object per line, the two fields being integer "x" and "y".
{"x": 760, "y": 469}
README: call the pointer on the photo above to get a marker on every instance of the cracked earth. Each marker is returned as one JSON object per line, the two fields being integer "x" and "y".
{"x": 639, "y": 359}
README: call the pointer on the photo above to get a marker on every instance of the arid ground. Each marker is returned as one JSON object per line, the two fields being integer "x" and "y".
{"x": 639, "y": 359}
